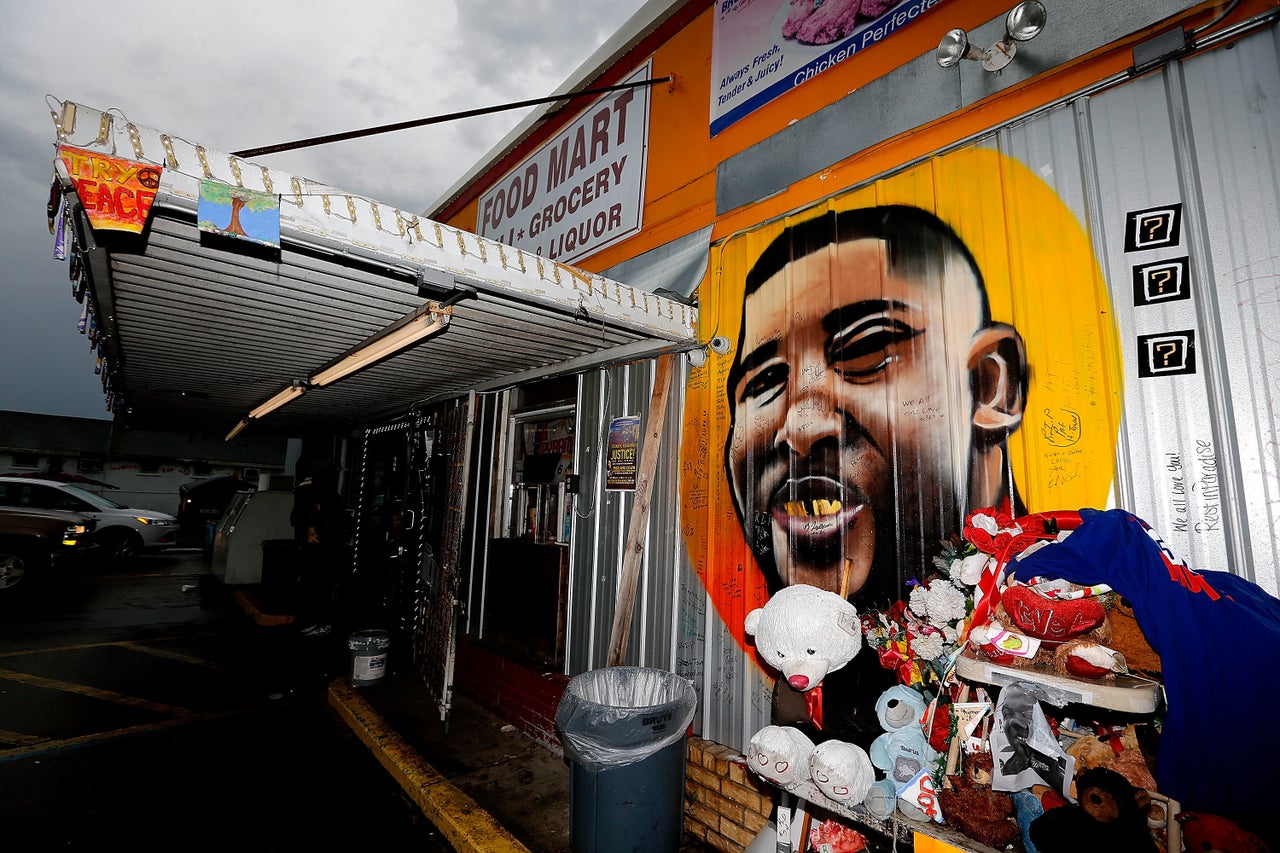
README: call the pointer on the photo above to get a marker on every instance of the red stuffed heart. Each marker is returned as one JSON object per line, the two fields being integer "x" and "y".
{"x": 1051, "y": 619}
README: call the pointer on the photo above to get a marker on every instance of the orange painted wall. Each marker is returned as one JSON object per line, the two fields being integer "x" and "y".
{"x": 681, "y": 179}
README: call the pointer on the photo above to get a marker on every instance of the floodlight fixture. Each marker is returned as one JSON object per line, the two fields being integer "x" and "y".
{"x": 1023, "y": 23}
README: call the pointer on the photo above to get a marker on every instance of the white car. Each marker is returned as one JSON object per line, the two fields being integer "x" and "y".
{"x": 122, "y": 532}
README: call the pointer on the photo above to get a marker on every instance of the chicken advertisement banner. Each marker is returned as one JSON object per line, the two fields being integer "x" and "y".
{"x": 763, "y": 48}
{"x": 900, "y": 358}
{"x": 116, "y": 194}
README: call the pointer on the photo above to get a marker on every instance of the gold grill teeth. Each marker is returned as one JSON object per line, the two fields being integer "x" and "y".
{"x": 816, "y": 507}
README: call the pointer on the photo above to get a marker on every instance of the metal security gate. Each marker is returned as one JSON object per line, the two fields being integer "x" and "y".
{"x": 388, "y": 516}
{"x": 443, "y": 475}
{"x": 409, "y": 525}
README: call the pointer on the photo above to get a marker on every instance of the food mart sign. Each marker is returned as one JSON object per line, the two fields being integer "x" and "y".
{"x": 583, "y": 189}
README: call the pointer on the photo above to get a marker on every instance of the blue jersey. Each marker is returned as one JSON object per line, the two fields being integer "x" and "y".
{"x": 1218, "y": 637}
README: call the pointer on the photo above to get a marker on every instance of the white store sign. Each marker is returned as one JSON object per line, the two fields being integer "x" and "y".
{"x": 583, "y": 189}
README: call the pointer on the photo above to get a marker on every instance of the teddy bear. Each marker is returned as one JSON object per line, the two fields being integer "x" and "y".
{"x": 842, "y": 771}
{"x": 904, "y": 754}
{"x": 805, "y": 633}
{"x": 902, "y": 750}
{"x": 780, "y": 754}
{"x": 1117, "y": 749}
{"x": 1110, "y": 816}
{"x": 971, "y": 806}
{"x": 899, "y": 706}
{"x": 809, "y": 635}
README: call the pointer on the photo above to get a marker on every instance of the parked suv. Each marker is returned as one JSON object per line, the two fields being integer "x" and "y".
{"x": 121, "y": 533}
{"x": 32, "y": 540}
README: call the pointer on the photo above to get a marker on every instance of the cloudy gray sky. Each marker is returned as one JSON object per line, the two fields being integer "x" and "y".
{"x": 233, "y": 75}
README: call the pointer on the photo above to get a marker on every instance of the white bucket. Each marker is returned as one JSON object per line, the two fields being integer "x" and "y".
{"x": 368, "y": 656}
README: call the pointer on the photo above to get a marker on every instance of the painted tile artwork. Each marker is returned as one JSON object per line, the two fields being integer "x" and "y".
{"x": 240, "y": 213}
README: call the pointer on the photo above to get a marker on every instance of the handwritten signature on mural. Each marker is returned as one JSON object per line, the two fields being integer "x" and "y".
{"x": 923, "y": 408}
{"x": 1061, "y": 427}
{"x": 1204, "y": 485}
{"x": 1207, "y": 487}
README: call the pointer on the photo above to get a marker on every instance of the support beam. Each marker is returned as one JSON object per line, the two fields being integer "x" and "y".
{"x": 629, "y": 576}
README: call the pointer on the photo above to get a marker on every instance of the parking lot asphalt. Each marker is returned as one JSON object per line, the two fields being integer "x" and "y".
{"x": 134, "y": 714}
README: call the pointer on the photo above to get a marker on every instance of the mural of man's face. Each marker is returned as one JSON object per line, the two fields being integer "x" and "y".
{"x": 852, "y": 413}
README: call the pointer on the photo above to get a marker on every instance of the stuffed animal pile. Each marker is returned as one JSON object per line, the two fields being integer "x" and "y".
{"x": 1050, "y": 623}
{"x": 806, "y": 633}
{"x": 1088, "y": 595}
{"x": 1064, "y": 629}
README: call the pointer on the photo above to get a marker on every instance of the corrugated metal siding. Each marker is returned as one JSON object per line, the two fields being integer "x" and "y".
{"x": 1200, "y": 455}
{"x": 601, "y": 522}
{"x": 1202, "y": 132}
{"x": 674, "y": 626}
{"x": 1234, "y": 119}
{"x": 734, "y": 693}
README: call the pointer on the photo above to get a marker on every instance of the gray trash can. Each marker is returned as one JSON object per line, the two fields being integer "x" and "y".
{"x": 625, "y": 731}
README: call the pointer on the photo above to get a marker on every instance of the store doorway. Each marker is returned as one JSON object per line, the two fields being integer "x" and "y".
{"x": 527, "y": 572}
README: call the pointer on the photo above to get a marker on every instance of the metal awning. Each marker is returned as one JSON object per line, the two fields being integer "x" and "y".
{"x": 199, "y": 331}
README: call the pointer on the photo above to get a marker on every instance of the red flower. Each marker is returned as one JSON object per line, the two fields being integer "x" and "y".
{"x": 841, "y": 838}
{"x": 983, "y": 539}
{"x": 900, "y": 614}
{"x": 869, "y": 622}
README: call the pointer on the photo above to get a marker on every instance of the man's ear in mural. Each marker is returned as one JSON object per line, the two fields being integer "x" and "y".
{"x": 998, "y": 374}
{"x": 998, "y": 379}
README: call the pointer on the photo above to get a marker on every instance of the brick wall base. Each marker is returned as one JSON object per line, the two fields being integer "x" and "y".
{"x": 725, "y": 804}
{"x": 523, "y": 697}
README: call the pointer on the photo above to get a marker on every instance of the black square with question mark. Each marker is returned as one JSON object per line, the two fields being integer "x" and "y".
{"x": 1167, "y": 354}
{"x": 1161, "y": 281}
{"x": 1153, "y": 228}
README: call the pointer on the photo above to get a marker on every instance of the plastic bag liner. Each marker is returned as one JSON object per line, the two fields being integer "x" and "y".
{"x": 620, "y": 715}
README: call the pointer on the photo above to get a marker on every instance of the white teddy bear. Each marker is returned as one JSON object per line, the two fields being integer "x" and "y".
{"x": 842, "y": 771}
{"x": 780, "y": 754}
{"x": 805, "y": 633}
